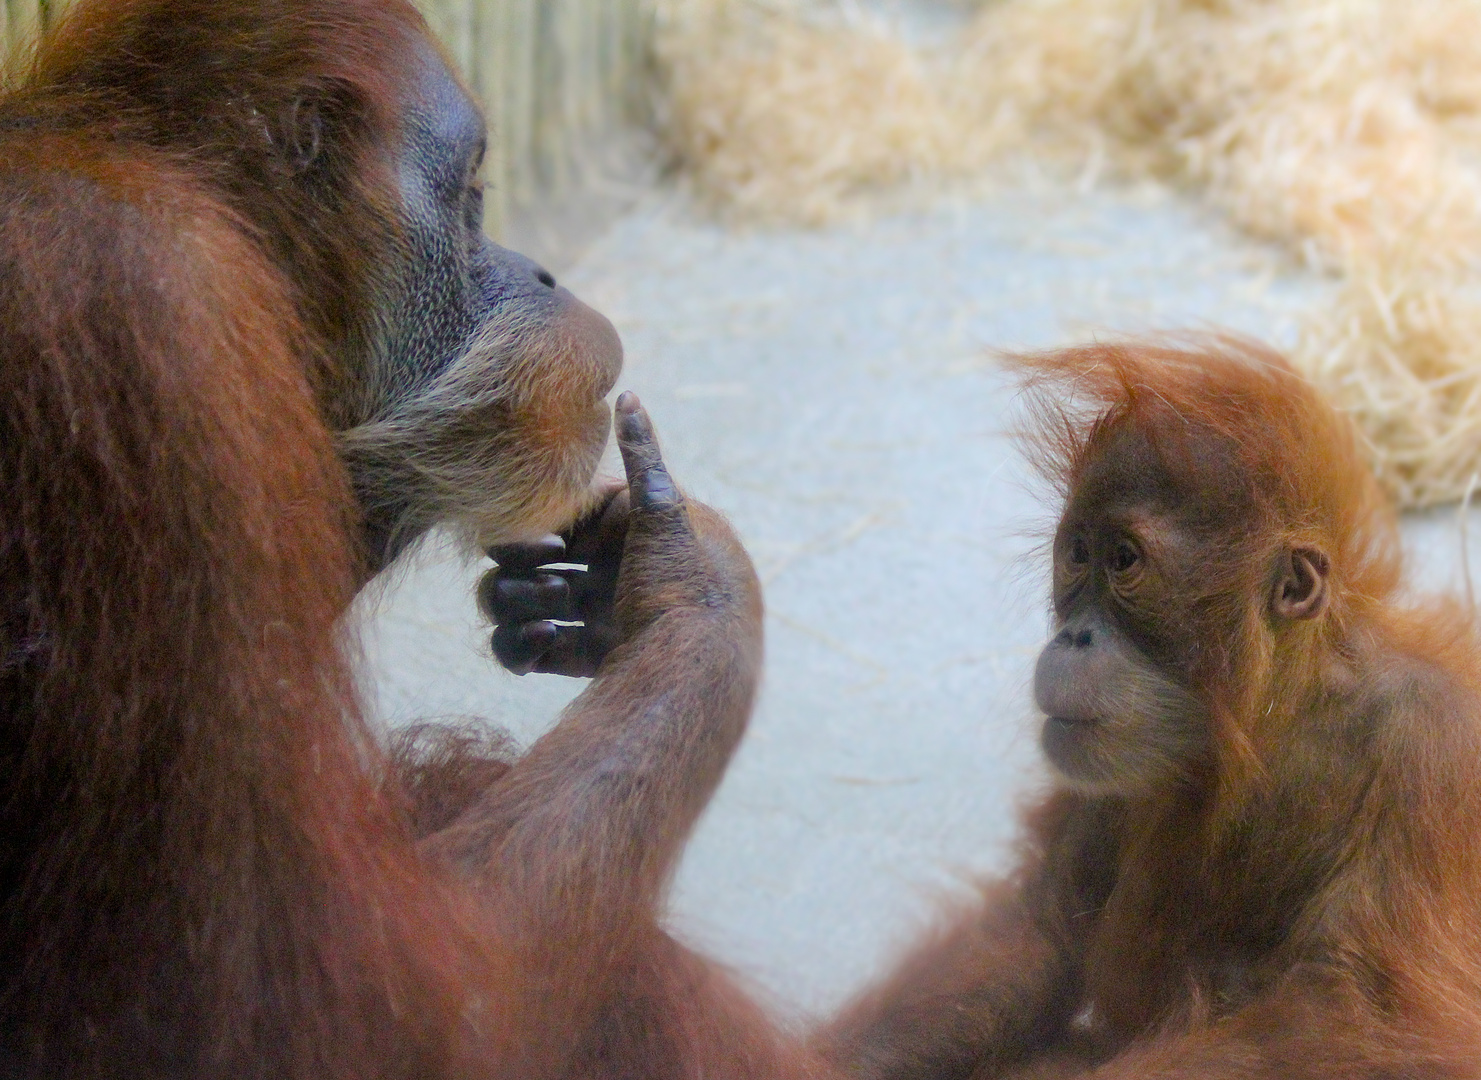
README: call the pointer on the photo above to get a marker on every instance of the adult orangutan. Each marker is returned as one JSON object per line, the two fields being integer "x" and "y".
{"x": 252, "y": 344}
{"x": 1263, "y": 852}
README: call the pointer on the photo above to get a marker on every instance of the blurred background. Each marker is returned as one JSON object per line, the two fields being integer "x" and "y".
{"x": 814, "y": 223}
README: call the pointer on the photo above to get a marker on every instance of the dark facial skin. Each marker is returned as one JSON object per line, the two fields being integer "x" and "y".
{"x": 457, "y": 278}
{"x": 1116, "y": 719}
{"x": 454, "y": 286}
{"x": 1115, "y": 680}
{"x": 454, "y": 283}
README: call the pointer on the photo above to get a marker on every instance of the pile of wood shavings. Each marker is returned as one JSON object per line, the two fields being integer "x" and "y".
{"x": 1347, "y": 130}
{"x": 781, "y": 117}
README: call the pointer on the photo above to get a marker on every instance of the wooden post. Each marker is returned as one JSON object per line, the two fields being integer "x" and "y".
{"x": 554, "y": 76}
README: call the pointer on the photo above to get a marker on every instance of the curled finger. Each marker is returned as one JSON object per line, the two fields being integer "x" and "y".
{"x": 525, "y": 558}
{"x": 506, "y": 599}
{"x": 521, "y": 646}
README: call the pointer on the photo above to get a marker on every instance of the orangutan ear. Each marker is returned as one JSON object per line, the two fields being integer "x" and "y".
{"x": 1301, "y": 588}
{"x": 303, "y": 131}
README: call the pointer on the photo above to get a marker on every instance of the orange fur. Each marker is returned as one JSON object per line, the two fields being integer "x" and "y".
{"x": 1299, "y": 900}
{"x": 208, "y": 867}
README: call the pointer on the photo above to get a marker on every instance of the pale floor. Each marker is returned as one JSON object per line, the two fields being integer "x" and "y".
{"x": 834, "y": 393}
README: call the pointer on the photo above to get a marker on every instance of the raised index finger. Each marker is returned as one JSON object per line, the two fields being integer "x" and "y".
{"x": 648, "y": 481}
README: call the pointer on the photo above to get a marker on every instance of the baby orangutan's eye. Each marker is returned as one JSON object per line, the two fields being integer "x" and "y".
{"x": 1125, "y": 556}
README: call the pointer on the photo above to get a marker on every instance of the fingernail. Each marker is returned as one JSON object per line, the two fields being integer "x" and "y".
{"x": 633, "y": 427}
{"x": 537, "y": 635}
{"x": 627, "y": 402}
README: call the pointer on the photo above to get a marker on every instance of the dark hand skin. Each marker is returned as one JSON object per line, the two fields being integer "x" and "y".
{"x": 598, "y": 809}
{"x": 522, "y": 595}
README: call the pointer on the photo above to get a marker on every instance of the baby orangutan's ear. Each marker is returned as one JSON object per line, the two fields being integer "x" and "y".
{"x": 1301, "y": 588}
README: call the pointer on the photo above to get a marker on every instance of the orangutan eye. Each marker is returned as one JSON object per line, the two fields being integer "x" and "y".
{"x": 1079, "y": 551}
{"x": 473, "y": 210}
{"x": 1125, "y": 556}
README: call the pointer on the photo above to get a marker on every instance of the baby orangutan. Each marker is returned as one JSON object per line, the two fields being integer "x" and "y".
{"x": 1262, "y": 857}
